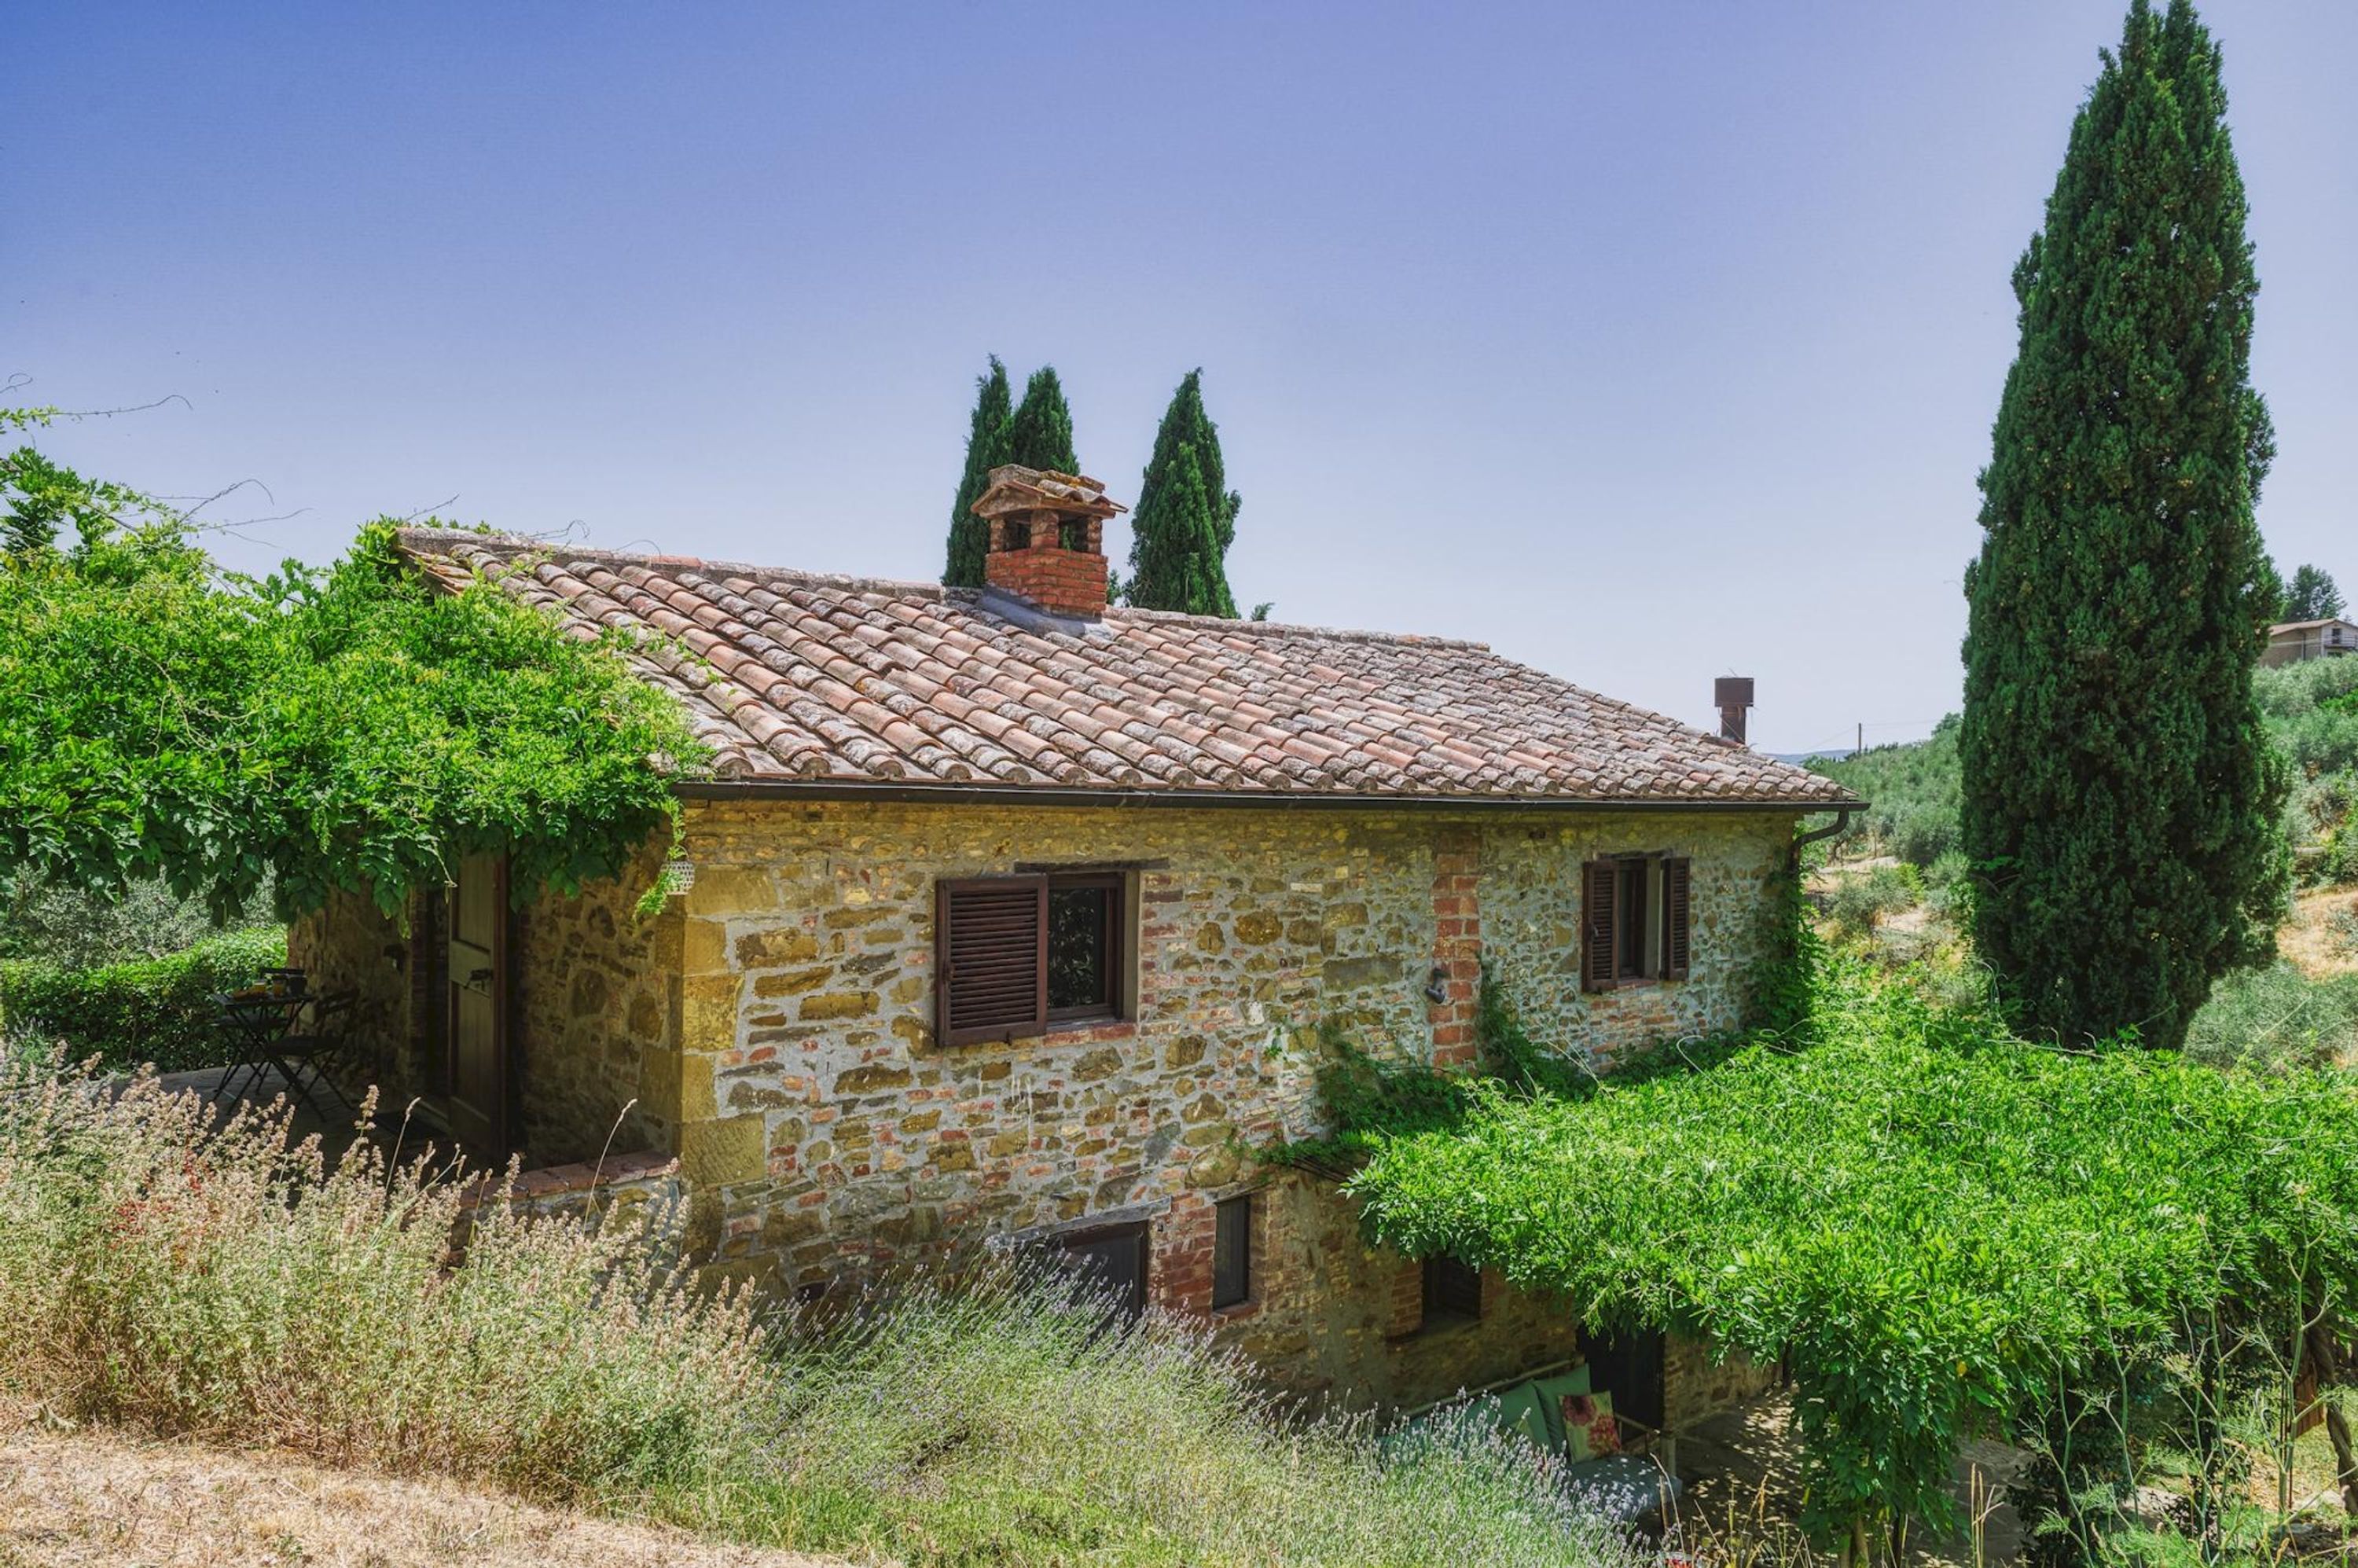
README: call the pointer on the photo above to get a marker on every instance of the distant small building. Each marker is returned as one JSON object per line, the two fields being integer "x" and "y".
{"x": 2293, "y": 640}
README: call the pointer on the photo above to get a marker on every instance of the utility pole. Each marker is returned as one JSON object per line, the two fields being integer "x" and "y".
{"x": 1860, "y": 744}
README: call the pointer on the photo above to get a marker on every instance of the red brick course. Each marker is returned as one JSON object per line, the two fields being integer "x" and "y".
{"x": 1456, "y": 944}
{"x": 1061, "y": 581}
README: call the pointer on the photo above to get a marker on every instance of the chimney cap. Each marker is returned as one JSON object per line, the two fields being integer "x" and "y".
{"x": 1732, "y": 691}
{"x": 1016, "y": 489}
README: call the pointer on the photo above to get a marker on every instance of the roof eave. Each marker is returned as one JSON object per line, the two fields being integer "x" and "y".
{"x": 1012, "y": 794}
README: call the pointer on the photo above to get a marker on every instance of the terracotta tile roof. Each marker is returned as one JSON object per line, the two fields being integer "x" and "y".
{"x": 794, "y": 676}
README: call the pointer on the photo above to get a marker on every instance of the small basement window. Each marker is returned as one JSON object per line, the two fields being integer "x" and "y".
{"x": 1013, "y": 954}
{"x": 1453, "y": 1290}
{"x": 1232, "y": 1279}
{"x": 1636, "y": 920}
{"x": 1111, "y": 1264}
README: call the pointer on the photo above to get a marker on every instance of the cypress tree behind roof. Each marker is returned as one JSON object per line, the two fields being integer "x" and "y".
{"x": 986, "y": 449}
{"x": 1041, "y": 434}
{"x": 2120, "y": 797}
{"x": 1186, "y": 515}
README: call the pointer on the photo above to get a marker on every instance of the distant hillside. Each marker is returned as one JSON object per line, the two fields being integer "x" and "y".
{"x": 2311, "y": 709}
{"x": 1911, "y": 792}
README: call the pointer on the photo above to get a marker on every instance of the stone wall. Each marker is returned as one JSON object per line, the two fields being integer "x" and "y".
{"x": 823, "y": 1132}
{"x": 596, "y": 1003}
{"x": 772, "y": 1025}
{"x": 1333, "y": 1318}
{"x": 1530, "y": 924}
{"x": 1695, "y": 1384}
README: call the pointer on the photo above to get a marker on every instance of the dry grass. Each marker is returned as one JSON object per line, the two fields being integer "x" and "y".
{"x": 163, "y": 1279}
{"x": 234, "y": 1289}
{"x": 83, "y": 1500}
{"x": 2321, "y": 938}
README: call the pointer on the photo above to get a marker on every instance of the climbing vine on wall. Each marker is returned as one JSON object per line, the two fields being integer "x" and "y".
{"x": 1940, "y": 1227}
{"x": 336, "y": 729}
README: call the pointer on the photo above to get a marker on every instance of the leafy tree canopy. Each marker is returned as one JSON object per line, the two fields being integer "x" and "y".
{"x": 2310, "y": 596}
{"x": 345, "y": 729}
{"x": 1938, "y": 1225}
{"x": 1186, "y": 515}
{"x": 986, "y": 449}
{"x": 2120, "y": 799}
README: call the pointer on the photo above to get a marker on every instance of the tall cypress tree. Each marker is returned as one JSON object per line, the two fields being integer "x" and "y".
{"x": 986, "y": 449}
{"x": 2120, "y": 795}
{"x": 1186, "y": 515}
{"x": 1041, "y": 434}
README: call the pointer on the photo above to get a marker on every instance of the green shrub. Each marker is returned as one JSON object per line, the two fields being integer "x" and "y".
{"x": 1857, "y": 901}
{"x": 1936, "y": 1225}
{"x": 2277, "y": 1019}
{"x": 2289, "y": 692}
{"x": 2337, "y": 863}
{"x": 150, "y": 1009}
{"x": 221, "y": 1287}
{"x": 77, "y": 929}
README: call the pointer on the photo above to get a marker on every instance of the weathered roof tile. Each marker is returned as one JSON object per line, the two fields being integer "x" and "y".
{"x": 799, "y": 677}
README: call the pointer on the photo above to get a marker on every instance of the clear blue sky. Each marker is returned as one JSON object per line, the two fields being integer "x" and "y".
{"x": 1647, "y": 342}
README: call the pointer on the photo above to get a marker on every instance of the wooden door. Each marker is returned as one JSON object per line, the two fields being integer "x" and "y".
{"x": 477, "y": 1019}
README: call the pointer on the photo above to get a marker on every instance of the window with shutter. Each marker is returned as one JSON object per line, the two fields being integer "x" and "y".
{"x": 1599, "y": 949}
{"x": 1635, "y": 921}
{"x": 992, "y": 958}
{"x": 1675, "y": 940}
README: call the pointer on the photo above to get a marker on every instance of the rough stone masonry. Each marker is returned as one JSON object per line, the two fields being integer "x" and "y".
{"x": 772, "y": 1026}
{"x": 827, "y": 1134}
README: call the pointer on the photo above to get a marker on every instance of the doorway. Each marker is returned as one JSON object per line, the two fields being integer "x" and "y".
{"x": 477, "y": 1071}
{"x": 1630, "y": 1367}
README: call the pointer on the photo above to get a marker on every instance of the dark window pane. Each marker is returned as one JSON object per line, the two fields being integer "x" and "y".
{"x": 1080, "y": 965}
{"x": 1232, "y": 1252}
{"x": 1633, "y": 917}
{"x": 1451, "y": 1290}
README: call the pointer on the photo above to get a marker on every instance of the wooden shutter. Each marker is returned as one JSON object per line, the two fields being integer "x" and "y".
{"x": 1674, "y": 919}
{"x": 1600, "y": 884}
{"x": 991, "y": 952}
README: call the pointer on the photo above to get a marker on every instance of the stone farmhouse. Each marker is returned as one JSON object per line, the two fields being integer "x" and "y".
{"x": 1006, "y": 916}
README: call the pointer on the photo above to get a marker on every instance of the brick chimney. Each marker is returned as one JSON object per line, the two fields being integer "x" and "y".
{"x": 1048, "y": 540}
